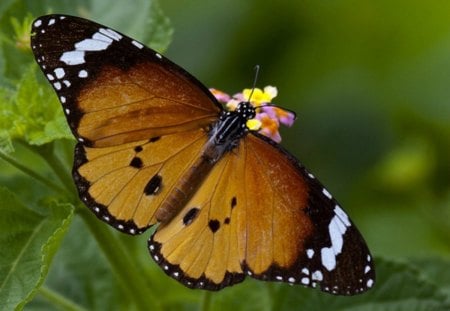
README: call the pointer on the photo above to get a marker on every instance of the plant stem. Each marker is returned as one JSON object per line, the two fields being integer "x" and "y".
{"x": 61, "y": 170}
{"x": 59, "y": 300}
{"x": 122, "y": 265}
{"x": 31, "y": 173}
{"x": 206, "y": 301}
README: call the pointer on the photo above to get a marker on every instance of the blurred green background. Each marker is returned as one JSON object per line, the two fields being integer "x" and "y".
{"x": 369, "y": 81}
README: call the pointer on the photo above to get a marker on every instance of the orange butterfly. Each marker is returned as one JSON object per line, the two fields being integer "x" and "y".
{"x": 156, "y": 147}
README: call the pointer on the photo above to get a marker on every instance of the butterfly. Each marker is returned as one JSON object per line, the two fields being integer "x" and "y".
{"x": 155, "y": 147}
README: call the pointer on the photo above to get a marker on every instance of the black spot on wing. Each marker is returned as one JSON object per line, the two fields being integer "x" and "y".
{"x": 136, "y": 162}
{"x": 214, "y": 225}
{"x": 153, "y": 139}
{"x": 138, "y": 149}
{"x": 190, "y": 216}
{"x": 227, "y": 220}
{"x": 233, "y": 202}
{"x": 153, "y": 185}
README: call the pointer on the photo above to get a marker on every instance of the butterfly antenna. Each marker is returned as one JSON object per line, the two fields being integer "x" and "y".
{"x": 254, "y": 82}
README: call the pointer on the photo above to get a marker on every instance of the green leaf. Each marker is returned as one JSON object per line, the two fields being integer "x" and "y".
{"x": 81, "y": 273}
{"x": 160, "y": 29}
{"x": 141, "y": 19}
{"x": 28, "y": 240}
{"x": 15, "y": 51}
{"x": 436, "y": 271}
{"x": 144, "y": 21}
{"x": 31, "y": 113}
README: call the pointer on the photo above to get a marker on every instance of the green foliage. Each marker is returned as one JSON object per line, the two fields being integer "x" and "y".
{"x": 31, "y": 113}
{"x": 28, "y": 240}
{"x": 360, "y": 73}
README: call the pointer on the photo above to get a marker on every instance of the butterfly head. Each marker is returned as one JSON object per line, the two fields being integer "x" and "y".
{"x": 246, "y": 111}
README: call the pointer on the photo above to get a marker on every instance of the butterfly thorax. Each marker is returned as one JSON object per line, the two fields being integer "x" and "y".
{"x": 224, "y": 136}
{"x": 231, "y": 127}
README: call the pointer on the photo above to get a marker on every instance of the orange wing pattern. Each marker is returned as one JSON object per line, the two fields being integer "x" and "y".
{"x": 143, "y": 101}
{"x": 113, "y": 89}
{"x": 124, "y": 185}
{"x": 253, "y": 218}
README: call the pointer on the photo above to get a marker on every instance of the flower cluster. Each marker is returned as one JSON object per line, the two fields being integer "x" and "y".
{"x": 268, "y": 117}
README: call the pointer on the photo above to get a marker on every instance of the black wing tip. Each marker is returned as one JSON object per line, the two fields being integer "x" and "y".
{"x": 100, "y": 210}
{"x": 177, "y": 273}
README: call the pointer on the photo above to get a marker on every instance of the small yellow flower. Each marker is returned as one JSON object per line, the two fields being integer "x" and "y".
{"x": 259, "y": 96}
{"x": 254, "y": 124}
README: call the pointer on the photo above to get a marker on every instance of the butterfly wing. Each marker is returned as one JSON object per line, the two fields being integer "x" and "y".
{"x": 114, "y": 90}
{"x": 139, "y": 119}
{"x": 260, "y": 213}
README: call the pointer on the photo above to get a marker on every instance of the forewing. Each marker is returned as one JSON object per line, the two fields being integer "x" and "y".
{"x": 114, "y": 90}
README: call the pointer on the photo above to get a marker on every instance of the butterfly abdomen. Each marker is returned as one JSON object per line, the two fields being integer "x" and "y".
{"x": 185, "y": 188}
{"x": 224, "y": 136}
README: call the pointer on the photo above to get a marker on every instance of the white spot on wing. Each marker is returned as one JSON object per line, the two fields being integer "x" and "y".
{"x": 72, "y": 58}
{"x": 158, "y": 55}
{"x": 50, "y": 77}
{"x": 317, "y": 276}
{"x": 111, "y": 33}
{"x": 326, "y": 193}
{"x": 62, "y": 99}
{"x": 59, "y": 73}
{"x": 101, "y": 37}
{"x": 37, "y": 23}
{"x": 67, "y": 83}
{"x": 336, "y": 236}
{"x": 91, "y": 45}
{"x": 310, "y": 253}
{"x": 57, "y": 85}
{"x": 67, "y": 110}
{"x": 82, "y": 74}
{"x": 305, "y": 281}
{"x": 51, "y": 22}
{"x": 328, "y": 258}
{"x": 369, "y": 283}
{"x": 137, "y": 44}
{"x": 342, "y": 215}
